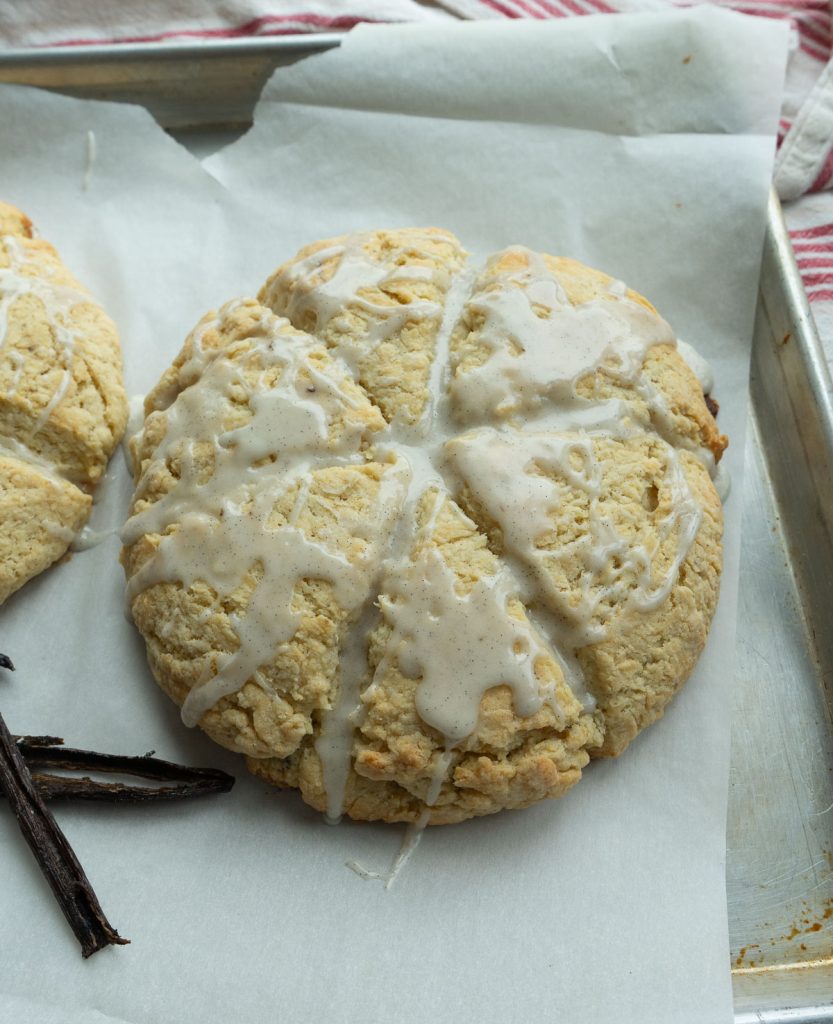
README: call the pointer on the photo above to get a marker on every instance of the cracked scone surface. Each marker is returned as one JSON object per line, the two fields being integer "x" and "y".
{"x": 420, "y": 539}
{"x": 62, "y": 402}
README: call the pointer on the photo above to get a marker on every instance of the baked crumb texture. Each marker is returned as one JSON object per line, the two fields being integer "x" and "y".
{"x": 420, "y": 538}
{"x": 62, "y": 402}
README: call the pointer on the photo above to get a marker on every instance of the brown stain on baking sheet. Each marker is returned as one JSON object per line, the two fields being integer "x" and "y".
{"x": 812, "y": 922}
{"x": 752, "y": 957}
{"x": 741, "y": 957}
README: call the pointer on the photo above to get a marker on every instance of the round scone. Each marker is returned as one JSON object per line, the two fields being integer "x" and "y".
{"x": 62, "y": 402}
{"x": 418, "y": 538}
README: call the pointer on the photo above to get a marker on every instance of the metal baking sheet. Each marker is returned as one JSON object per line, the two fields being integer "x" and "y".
{"x": 780, "y": 826}
{"x": 780, "y": 820}
{"x": 213, "y": 84}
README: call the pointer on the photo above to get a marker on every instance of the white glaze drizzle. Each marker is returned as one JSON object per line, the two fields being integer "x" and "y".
{"x": 441, "y": 635}
{"x": 24, "y": 276}
{"x": 335, "y": 300}
{"x": 88, "y": 538}
{"x": 221, "y": 552}
{"x": 58, "y": 302}
{"x": 410, "y": 841}
{"x": 510, "y": 473}
{"x": 355, "y": 275}
{"x": 94, "y": 532}
{"x": 289, "y": 419}
{"x": 413, "y": 832}
{"x": 335, "y": 741}
{"x": 722, "y": 480}
{"x": 698, "y": 364}
{"x": 540, "y": 345}
{"x": 10, "y": 446}
{"x": 224, "y": 523}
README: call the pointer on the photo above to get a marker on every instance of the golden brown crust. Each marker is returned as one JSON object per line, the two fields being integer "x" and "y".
{"x": 188, "y": 630}
{"x": 395, "y": 373}
{"x": 681, "y": 415}
{"x": 14, "y": 222}
{"x": 39, "y": 515}
{"x": 62, "y": 401}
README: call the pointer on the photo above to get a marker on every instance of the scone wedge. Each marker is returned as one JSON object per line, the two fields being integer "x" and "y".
{"x": 62, "y": 403}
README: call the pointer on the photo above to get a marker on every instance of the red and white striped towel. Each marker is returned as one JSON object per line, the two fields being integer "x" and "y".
{"x": 82, "y": 22}
{"x": 811, "y": 231}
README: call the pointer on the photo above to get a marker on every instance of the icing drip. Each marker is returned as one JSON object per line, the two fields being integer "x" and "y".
{"x": 410, "y": 841}
{"x": 523, "y": 479}
{"x": 539, "y": 345}
{"x": 22, "y": 277}
{"x": 221, "y": 552}
{"x": 223, "y": 530}
{"x": 698, "y": 365}
{"x": 192, "y": 369}
{"x": 333, "y": 302}
{"x": 459, "y": 646}
{"x": 292, "y": 418}
{"x": 87, "y": 538}
{"x": 722, "y": 481}
{"x": 334, "y": 744}
{"x": 335, "y": 741}
{"x": 417, "y": 448}
{"x": 10, "y": 446}
{"x": 413, "y": 833}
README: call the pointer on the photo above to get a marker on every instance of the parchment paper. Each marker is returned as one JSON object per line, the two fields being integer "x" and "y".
{"x": 640, "y": 144}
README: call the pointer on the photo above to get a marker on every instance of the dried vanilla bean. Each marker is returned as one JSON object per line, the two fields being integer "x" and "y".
{"x": 53, "y": 853}
{"x": 42, "y": 752}
{"x": 6, "y": 662}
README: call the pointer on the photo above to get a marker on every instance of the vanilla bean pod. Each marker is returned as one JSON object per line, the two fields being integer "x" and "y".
{"x": 42, "y": 752}
{"x": 53, "y": 853}
{"x": 6, "y": 662}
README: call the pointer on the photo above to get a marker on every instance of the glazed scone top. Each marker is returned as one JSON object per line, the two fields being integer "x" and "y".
{"x": 60, "y": 363}
{"x": 62, "y": 402}
{"x": 492, "y": 476}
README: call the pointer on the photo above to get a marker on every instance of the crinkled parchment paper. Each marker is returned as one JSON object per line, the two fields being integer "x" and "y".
{"x": 642, "y": 145}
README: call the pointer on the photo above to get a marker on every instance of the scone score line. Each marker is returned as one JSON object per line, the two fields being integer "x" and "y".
{"x": 325, "y": 492}
{"x": 62, "y": 403}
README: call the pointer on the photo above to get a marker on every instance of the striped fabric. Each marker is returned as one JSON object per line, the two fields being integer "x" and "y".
{"x": 83, "y": 22}
{"x": 264, "y": 25}
{"x": 811, "y": 231}
{"x": 814, "y": 255}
